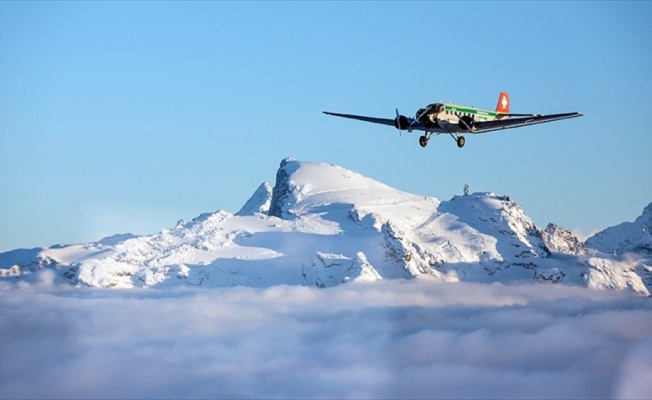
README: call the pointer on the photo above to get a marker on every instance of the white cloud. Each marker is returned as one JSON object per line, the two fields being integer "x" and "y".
{"x": 384, "y": 339}
{"x": 582, "y": 235}
{"x": 634, "y": 377}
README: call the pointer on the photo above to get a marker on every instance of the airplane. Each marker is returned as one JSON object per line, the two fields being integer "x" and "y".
{"x": 456, "y": 120}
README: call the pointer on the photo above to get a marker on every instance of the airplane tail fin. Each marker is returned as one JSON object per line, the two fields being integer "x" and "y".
{"x": 503, "y": 103}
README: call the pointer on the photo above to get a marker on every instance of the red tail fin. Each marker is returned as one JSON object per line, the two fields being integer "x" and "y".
{"x": 503, "y": 103}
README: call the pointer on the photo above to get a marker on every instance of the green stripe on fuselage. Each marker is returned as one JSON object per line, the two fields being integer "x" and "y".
{"x": 469, "y": 110}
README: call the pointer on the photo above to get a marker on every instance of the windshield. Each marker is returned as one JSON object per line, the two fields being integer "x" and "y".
{"x": 436, "y": 107}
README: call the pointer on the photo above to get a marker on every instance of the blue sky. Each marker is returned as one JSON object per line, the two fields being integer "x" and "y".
{"x": 125, "y": 117}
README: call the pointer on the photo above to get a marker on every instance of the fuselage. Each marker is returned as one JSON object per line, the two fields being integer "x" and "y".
{"x": 453, "y": 117}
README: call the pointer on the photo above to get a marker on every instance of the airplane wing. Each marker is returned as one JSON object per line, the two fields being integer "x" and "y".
{"x": 413, "y": 123}
{"x": 384, "y": 121}
{"x": 488, "y": 126}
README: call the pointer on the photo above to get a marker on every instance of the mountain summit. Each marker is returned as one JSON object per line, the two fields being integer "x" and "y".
{"x": 323, "y": 225}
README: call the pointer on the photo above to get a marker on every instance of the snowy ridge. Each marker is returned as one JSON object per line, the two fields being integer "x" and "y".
{"x": 323, "y": 225}
{"x": 626, "y": 237}
{"x": 627, "y": 245}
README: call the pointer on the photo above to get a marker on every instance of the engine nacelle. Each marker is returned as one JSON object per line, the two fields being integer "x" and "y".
{"x": 431, "y": 120}
{"x": 401, "y": 122}
{"x": 466, "y": 123}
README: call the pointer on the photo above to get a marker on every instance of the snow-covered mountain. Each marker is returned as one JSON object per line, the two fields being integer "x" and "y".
{"x": 629, "y": 243}
{"x": 628, "y": 237}
{"x": 323, "y": 225}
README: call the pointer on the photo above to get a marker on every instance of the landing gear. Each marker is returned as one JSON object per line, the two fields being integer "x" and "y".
{"x": 423, "y": 140}
{"x": 458, "y": 139}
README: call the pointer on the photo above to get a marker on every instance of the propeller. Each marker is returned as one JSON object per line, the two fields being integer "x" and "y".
{"x": 401, "y": 122}
{"x": 464, "y": 124}
{"x": 397, "y": 123}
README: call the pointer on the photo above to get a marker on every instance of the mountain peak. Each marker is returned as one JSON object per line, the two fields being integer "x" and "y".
{"x": 301, "y": 186}
{"x": 282, "y": 190}
{"x": 561, "y": 240}
{"x": 627, "y": 237}
{"x": 259, "y": 202}
{"x": 501, "y": 217}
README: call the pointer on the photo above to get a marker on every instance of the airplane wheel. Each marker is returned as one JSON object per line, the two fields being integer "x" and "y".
{"x": 460, "y": 141}
{"x": 423, "y": 141}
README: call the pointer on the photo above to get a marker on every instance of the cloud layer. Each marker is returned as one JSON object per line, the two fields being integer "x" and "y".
{"x": 386, "y": 339}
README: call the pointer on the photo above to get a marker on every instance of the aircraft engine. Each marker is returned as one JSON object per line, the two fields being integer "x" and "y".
{"x": 401, "y": 122}
{"x": 434, "y": 121}
{"x": 466, "y": 123}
